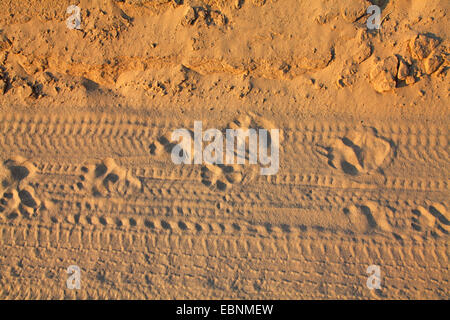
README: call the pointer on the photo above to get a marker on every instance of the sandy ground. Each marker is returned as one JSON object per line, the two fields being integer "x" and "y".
{"x": 87, "y": 177}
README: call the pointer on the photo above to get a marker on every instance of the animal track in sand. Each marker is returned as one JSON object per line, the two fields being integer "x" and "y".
{"x": 253, "y": 121}
{"x": 17, "y": 195}
{"x": 161, "y": 144}
{"x": 105, "y": 178}
{"x": 433, "y": 220}
{"x": 369, "y": 217}
{"x": 221, "y": 177}
{"x": 359, "y": 152}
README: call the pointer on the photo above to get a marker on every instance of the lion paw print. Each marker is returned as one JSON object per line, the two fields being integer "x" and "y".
{"x": 359, "y": 152}
{"x": 433, "y": 220}
{"x": 221, "y": 177}
{"x": 370, "y": 217}
{"x": 107, "y": 178}
{"x": 17, "y": 195}
{"x": 253, "y": 121}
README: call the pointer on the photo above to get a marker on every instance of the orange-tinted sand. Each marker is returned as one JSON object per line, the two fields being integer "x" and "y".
{"x": 87, "y": 179}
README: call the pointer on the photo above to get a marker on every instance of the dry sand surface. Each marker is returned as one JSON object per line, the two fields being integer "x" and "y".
{"x": 87, "y": 179}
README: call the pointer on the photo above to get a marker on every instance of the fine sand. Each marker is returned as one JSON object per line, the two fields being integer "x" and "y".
{"x": 87, "y": 178}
